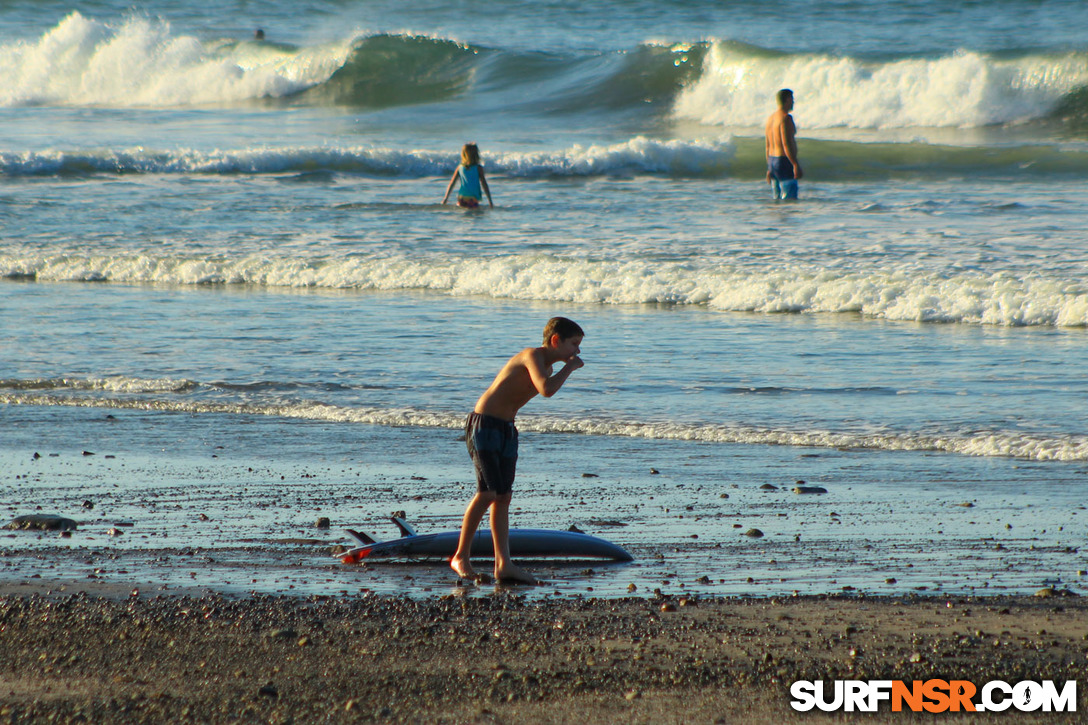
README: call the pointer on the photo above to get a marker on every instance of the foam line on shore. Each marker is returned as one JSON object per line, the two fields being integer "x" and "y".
{"x": 981, "y": 443}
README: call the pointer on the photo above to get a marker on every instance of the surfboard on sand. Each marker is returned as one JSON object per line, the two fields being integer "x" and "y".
{"x": 537, "y": 543}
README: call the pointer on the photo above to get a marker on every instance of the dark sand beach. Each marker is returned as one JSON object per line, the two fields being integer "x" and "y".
{"x": 76, "y": 653}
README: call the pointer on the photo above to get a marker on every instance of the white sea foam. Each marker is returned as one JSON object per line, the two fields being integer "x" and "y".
{"x": 996, "y": 298}
{"x": 960, "y": 90}
{"x": 985, "y": 444}
{"x": 141, "y": 63}
{"x": 111, "y": 384}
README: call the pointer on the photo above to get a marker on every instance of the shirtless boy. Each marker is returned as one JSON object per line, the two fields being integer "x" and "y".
{"x": 492, "y": 441}
{"x": 783, "y": 168}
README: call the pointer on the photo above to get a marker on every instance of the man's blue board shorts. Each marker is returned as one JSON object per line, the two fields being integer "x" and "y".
{"x": 783, "y": 185}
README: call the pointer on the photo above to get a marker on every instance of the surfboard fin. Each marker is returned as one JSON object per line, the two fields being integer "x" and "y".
{"x": 360, "y": 537}
{"x": 406, "y": 529}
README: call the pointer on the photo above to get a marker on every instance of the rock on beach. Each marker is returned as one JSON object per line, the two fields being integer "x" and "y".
{"x": 41, "y": 522}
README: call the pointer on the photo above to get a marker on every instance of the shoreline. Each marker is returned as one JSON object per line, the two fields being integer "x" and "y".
{"x": 100, "y": 656}
{"x": 888, "y": 525}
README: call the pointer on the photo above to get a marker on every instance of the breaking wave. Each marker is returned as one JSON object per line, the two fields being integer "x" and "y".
{"x": 997, "y": 298}
{"x": 142, "y": 62}
{"x": 705, "y": 159}
{"x": 960, "y": 90}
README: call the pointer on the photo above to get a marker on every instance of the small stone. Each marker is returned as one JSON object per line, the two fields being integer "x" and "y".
{"x": 204, "y": 517}
{"x": 809, "y": 489}
{"x": 1046, "y": 592}
{"x": 88, "y": 453}
{"x": 654, "y": 472}
{"x": 966, "y": 505}
{"x": 916, "y": 658}
{"x": 754, "y": 533}
{"x": 114, "y": 531}
{"x": 632, "y": 695}
{"x": 323, "y": 522}
{"x": 88, "y": 505}
{"x": 590, "y": 475}
{"x": 668, "y": 607}
{"x": 768, "y": 487}
{"x": 268, "y": 690}
{"x": 575, "y": 529}
{"x": 890, "y": 580}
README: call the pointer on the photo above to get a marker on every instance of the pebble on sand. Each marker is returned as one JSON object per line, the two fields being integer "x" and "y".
{"x": 754, "y": 533}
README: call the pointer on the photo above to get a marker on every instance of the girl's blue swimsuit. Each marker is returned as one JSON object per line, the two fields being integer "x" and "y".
{"x": 470, "y": 181}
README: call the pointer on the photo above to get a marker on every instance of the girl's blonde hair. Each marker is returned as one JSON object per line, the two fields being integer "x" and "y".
{"x": 470, "y": 155}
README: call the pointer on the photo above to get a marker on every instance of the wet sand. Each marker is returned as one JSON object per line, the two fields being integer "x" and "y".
{"x": 96, "y": 653}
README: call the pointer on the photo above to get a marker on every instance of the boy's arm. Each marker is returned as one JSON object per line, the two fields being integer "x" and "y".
{"x": 546, "y": 384}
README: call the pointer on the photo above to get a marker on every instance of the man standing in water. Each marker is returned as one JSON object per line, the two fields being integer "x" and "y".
{"x": 783, "y": 168}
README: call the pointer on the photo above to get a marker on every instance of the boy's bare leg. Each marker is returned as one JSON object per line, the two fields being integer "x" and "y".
{"x": 474, "y": 513}
{"x": 505, "y": 569}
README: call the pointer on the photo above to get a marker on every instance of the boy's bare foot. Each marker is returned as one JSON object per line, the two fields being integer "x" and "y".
{"x": 464, "y": 570}
{"x": 511, "y": 574}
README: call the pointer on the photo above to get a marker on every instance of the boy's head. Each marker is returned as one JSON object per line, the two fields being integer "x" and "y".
{"x": 563, "y": 327}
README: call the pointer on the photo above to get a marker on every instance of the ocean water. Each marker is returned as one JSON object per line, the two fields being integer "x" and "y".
{"x": 225, "y": 273}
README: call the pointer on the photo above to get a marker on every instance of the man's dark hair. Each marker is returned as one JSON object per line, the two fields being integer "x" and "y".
{"x": 782, "y": 95}
{"x": 563, "y": 327}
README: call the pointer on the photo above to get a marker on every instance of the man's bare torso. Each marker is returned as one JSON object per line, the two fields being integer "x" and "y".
{"x": 781, "y": 134}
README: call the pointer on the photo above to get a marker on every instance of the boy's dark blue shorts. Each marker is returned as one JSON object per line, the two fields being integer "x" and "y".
{"x": 493, "y": 445}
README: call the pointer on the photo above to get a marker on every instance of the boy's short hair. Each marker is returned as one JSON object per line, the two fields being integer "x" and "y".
{"x": 563, "y": 327}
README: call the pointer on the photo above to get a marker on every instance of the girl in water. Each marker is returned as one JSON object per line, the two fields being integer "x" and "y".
{"x": 472, "y": 179}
